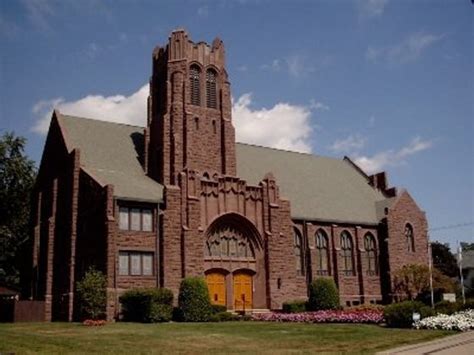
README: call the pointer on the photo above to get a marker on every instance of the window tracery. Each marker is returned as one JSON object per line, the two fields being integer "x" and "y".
{"x": 229, "y": 243}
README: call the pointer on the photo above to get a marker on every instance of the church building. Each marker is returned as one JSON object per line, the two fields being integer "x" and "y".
{"x": 151, "y": 205}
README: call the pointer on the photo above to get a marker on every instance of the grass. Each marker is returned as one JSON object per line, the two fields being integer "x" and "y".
{"x": 189, "y": 338}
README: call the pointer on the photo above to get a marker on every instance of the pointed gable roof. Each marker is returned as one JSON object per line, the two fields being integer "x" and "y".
{"x": 319, "y": 188}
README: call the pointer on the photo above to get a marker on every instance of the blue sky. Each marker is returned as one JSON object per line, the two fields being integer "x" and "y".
{"x": 388, "y": 83}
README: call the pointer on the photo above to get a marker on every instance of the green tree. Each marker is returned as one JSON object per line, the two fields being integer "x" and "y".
{"x": 443, "y": 259}
{"x": 17, "y": 175}
{"x": 92, "y": 294}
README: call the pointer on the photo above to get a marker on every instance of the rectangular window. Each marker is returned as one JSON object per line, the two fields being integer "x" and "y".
{"x": 135, "y": 219}
{"x": 147, "y": 262}
{"x": 135, "y": 264}
{"x": 123, "y": 217}
{"x": 147, "y": 219}
{"x": 123, "y": 264}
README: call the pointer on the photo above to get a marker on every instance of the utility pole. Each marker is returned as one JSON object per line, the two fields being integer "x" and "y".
{"x": 431, "y": 271}
{"x": 460, "y": 273}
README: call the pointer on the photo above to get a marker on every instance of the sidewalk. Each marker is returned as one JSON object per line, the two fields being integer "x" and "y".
{"x": 459, "y": 344}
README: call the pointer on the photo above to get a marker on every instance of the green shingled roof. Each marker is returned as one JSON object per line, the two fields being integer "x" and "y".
{"x": 112, "y": 153}
{"x": 319, "y": 188}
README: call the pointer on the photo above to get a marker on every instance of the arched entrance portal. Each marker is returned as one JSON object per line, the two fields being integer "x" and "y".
{"x": 234, "y": 263}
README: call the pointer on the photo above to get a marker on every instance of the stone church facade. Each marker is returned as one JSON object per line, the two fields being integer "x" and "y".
{"x": 150, "y": 206}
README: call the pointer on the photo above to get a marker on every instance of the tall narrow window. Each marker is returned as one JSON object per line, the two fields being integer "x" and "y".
{"x": 322, "y": 259}
{"x": 211, "y": 88}
{"x": 194, "y": 76}
{"x": 371, "y": 254}
{"x": 410, "y": 240}
{"x": 346, "y": 252}
{"x": 298, "y": 245}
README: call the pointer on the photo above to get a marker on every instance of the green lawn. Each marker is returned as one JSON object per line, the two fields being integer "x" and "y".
{"x": 230, "y": 337}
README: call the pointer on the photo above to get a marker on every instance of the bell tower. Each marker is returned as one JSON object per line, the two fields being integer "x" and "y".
{"x": 189, "y": 111}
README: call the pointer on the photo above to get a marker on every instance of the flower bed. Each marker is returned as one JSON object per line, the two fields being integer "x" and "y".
{"x": 344, "y": 316}
{"x": 462, "y": 321}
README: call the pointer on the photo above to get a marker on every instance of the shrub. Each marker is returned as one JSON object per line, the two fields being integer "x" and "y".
{"x": 224, "y": 317}
{"x": 217, "y": 308}
{"x": 92, "y": 295}
{"x": 446, "y": 307}
{"x": 296, "y": 306}
{"x": 160, "y": 313}
{"x": 469, "y": 304}
{"x": 147, "y": 305}
{"x": 323, "y": 294}
{"x": 400, "y": 315}
{"x": 193, "y": 300}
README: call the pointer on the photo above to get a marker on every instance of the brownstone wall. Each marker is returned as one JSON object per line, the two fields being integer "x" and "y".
{"x": 182, "y": 135}
{"x": 405, "y": 210}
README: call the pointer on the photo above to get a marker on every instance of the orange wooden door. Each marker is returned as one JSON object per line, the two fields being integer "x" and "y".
{"x": 243, "y": 293}
{"x": 216, "y": 285}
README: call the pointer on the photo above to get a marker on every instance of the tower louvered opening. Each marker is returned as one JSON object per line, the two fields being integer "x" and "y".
{"x": 194, "y": 76}
{"x": 211, "y": 88}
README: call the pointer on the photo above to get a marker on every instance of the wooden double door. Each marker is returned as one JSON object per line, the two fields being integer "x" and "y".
{"x": 242, "y": 289}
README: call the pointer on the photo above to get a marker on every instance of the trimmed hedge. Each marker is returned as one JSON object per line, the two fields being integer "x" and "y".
{"x": 297, "y": 306}
{"x": 224, "y": 317}
{"x": 323, "y": 294}
{"x": 400, "y": 315}
{"x": 193, "y": 300}
{"x": 217, "y": 308}
{"x": 147, "y": 305}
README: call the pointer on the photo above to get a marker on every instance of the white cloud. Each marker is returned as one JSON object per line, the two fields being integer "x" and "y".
{"x": 118, "y": 108}
{"x": 283, "y": 126}
{"x": 274, "y": 65}
{"x": 371, "y": 8}
{"x": 317, "y": 105}
{"x": 382, "y": 160}
{"x": 39, "y": 12}
{"x": 203, "y": 11}
{"x": 352, "y": 143}
{"x": 408, "y": 50}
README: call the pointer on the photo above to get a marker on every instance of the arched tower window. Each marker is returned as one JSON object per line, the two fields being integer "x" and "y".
{"x": 410, "y": 240}
{"x": 346, "y": 252}
{"x": 211, "y": 88}
{"x": 298, "y": 245}
{"x": 322, "y": 253}
{"x": 194, "y": 82}
{"x": 371, "y": 254}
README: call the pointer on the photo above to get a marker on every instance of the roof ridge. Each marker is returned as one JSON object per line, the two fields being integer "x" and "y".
{"x": 99, "y": 120}
{"x": 280, "y": 149}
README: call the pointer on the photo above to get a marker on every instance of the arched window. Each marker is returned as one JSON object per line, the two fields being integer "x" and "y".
{"x": 410, "y": 240}
{"x": 322, "y": 253}
{"x": 211, "y": 88}
{"x": 371, "y": 254}
{"x": 229, "y": 244}
{"x": 346, "y": 252}
{"x": 298, "y": 244}
{"x": 194, "y": 82}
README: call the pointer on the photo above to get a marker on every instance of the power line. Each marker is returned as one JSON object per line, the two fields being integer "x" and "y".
{"x": 452, "y": 226}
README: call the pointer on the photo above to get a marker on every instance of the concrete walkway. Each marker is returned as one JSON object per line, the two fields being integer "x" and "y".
{"x": 459, "y": 344}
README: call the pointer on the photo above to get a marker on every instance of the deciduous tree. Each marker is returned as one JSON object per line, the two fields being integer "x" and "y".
{"x": 17, "y": 174}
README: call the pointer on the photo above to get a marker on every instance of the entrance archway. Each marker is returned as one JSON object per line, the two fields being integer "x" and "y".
{"x": 217, "y": 287}
{"x": 243, "y": 291}
{"x": 234, "y": 263}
